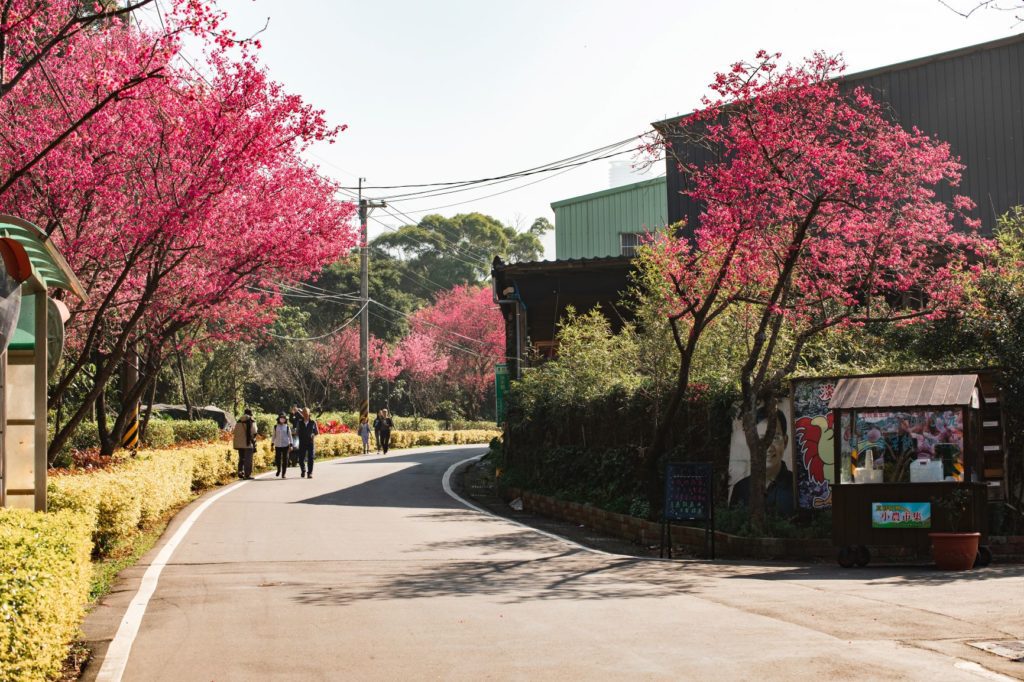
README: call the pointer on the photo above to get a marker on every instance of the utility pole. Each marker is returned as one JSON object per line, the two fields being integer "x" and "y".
{"x": 364, "y": 296}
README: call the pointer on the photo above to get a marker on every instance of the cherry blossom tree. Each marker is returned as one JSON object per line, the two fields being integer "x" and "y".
{"x": 422, "y": 362}
{"x": 465, "y": 323}
{"x": 41, "y": 37}
{"x": 179, "y": 207}
{"x": 820, "y": 213}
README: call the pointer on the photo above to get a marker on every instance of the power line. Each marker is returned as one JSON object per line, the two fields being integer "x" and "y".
{"x": 426, "y": 194}
{"x": 446, "y": 344}
{"x": 455, "y": 248}
{"x": 513, "y": 174}
{"x": 322, "y": 336}
{"x": 429, "y": 324}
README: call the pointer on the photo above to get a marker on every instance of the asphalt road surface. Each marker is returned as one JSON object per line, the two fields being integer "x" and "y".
{"x": 371, "y": 571}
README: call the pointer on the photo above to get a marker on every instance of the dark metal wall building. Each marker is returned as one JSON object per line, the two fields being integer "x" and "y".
{"x": 972, "y": 98}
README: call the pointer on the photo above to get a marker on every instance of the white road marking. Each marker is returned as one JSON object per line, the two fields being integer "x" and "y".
{"x": 116, "y": 658}
{"x": 446, "y": 482}
{"x": 982, "y": 671}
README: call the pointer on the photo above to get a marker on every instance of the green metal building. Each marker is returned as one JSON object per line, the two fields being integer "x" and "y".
{"x": 609, "y": 222}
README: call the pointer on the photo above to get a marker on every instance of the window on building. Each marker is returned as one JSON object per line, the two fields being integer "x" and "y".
{"x": 628, "y": 241}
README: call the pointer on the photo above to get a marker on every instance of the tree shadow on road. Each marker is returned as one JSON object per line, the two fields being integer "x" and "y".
{"x": 900, "y": 574}
{"x": 571, "y": 575}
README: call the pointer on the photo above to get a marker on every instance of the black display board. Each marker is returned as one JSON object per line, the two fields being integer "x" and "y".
{"x": 689, "y": 496}
{"x": 688, "y": 491}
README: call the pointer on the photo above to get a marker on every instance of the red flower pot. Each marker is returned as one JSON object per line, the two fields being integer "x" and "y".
{"x": 955, "y": 551}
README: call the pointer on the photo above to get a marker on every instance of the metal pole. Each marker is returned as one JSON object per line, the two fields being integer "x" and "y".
{"x": 40, "y": 399}
{"x": 364, "y": 315}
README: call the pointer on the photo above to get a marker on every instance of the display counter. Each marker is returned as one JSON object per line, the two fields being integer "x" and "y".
{"x": 908, "y": 461}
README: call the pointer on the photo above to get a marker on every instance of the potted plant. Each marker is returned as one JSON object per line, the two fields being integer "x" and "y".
{"x": 955, "y": 550}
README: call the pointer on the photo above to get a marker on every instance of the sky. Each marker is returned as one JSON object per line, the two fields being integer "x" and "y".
{"x": 463, "y": 89}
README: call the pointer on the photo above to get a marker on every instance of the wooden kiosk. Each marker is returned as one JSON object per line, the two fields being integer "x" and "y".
{"x": 905, "y": 444}
{"x": 30, "y": 322}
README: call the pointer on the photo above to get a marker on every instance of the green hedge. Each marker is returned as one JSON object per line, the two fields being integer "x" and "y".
{"x": 194, "y": 431}
{"x": 159, "y": 434}
{"x": 44, "y": 585}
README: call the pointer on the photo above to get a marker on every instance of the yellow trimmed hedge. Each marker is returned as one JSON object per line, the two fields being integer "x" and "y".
{"x": 44, "y": 586}
{"x": 345, "y": 444}
{"x": 44, "y": 558}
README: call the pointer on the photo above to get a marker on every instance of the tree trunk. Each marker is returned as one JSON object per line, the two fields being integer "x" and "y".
{"x": 149, "y": 411}
{"x": 184, "y": 385}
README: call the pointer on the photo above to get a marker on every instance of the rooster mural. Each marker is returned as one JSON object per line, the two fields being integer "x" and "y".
{"x": 815, "y": 443}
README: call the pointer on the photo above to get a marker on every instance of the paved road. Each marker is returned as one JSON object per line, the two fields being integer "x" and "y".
{"x": 371, "y": 571}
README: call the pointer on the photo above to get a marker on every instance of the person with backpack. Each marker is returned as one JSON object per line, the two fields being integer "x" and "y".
{"x": 383, "y": 425}
{"x": 308, "y": 430}
{"x": 282, "y": 441}
{"x": 294, "y": 418}
{"x": 245, "y": 443}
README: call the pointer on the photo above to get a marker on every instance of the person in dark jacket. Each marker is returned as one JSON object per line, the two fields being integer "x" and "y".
{"x": 307, "y": 430}
{"x": 383, "y": 425}
{"x": 294, "y": 417}
{"x": 376, "y": 430}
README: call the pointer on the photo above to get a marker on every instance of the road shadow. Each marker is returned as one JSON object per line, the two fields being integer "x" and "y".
{"x": 420, "y": 488}
{"x": 893, "y": 573}
{"x": 572, "y": 574}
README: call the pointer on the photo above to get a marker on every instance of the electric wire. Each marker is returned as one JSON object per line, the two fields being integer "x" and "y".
{"x": 429, "y": 324}
{"x": 513, "y": 174}
{"x": 322, "y": 336}
{"x": 426, "y": 194}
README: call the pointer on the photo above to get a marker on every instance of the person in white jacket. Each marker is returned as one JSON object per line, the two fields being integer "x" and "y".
{"x": 282, "y": 444}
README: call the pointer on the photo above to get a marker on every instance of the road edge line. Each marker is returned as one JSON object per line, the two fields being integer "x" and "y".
{"x": 446, "y": 483}
{"x": 115, "y": 660}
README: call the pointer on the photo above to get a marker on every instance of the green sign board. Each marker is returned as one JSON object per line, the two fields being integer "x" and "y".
{"x": 501, "y": 386}
{"x": 901, "y": 514}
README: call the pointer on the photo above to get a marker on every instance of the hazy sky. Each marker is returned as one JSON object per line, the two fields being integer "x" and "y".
{"x": 452, "y": 90}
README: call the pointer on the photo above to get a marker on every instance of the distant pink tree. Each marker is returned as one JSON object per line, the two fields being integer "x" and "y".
{"x": 465, "y": 323}
{"x": 422, "y": 362}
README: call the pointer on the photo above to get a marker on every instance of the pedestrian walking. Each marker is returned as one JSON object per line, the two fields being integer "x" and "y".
{"x": 308, "y": 430}
{"x": 376, "y": 430}
{"x": 384, "y": 424}
{"x": 245, "y": 443}
{"x": 282, "y": 444}
{"x": 294, "y": 419}
{"x": 364, "y": 433}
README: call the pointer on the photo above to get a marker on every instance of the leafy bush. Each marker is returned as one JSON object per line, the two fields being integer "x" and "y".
{"x": 44, "y": 585}
{"x": 194, "y": 431}
{"x": 159, "y": 434}
{"x": 265, "y": 423}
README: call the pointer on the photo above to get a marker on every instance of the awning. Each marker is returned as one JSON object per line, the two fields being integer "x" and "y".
{"x": 932, "y": 390}
{"x": 49, "y": 269}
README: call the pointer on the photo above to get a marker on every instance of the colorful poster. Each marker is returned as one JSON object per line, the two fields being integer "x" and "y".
{"x": 779, "y": 487}
{"x": 913, "y": 446}
{"x": 901, "y": 514}
{"x": 814, "y": 446}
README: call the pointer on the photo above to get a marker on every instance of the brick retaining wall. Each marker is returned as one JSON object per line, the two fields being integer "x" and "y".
{"x": 1005, "y": 549}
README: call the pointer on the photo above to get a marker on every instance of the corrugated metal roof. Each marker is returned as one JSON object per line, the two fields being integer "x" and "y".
{"x": 936, "y": 390}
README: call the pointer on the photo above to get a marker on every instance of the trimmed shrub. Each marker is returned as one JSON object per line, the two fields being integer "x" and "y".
{"x": 194, "y": 431}
{"x": 265, "y": 423}
{"x": 44, "y": 585}
{"x": 159, "y": 434}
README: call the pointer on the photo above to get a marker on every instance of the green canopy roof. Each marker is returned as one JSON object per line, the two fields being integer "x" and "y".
{"x": 49, "y": 269}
